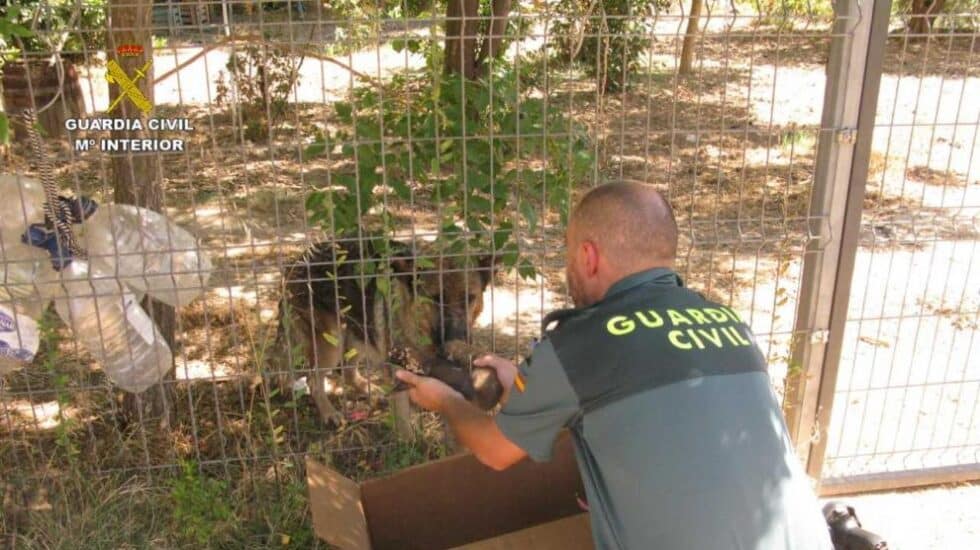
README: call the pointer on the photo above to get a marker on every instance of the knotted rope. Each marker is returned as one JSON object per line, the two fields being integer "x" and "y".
{"x": 58, "y": 213}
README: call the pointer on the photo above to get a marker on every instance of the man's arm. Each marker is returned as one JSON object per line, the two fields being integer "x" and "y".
{"x": 479, "y": 433}
{"x": 527, "y": 424}
{"x": 473, "y": 428}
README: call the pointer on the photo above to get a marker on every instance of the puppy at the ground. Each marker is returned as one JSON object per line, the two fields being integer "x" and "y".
{"x": 338, "y": 314}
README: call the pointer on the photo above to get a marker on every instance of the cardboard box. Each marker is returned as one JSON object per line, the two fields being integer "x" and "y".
{"x": 454, "y": 503}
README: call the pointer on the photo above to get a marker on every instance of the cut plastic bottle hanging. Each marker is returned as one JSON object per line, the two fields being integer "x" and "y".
{"x": 104, "y": 315}
{"x": 134, "y": 252}
{"x": 107, "y": 319}
{"x": 23, "y": 269}
{"x": 21, "y": 203}
{"x": 25, "y": 273}
{"x": 148, "y": 252}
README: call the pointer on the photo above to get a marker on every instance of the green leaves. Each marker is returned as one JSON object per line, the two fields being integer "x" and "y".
{"x": 200, "y": 505}
{"x": 478, "y": 205}
{"x": 414, "y": 46}
{"x": 478, "y": 153}
{"x": 526, "y": 269}
{"x": 502, "y": 235}
{"x": 529, "y": 215}
{"x": 319, "y": 146}
{"x": 316, "y": 203}
{"x": 383, "y": 286}
{"x": 4, "y": 129}
{"x": 9, "y": 28}
{"x": 344, "y": 111}
{"x": 402, "y": 189}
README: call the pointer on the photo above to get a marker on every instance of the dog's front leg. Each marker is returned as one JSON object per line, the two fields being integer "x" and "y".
{"x": 324, "y": 355}
{"x": 328, "y": 413}
{"x": 360, "y": 383}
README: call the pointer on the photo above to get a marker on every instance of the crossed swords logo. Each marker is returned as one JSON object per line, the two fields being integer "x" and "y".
{"x": 117, "y": 76}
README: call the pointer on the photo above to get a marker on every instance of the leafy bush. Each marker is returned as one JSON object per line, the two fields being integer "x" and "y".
{"x": 606, "y": 38}
{"x": 200, "y": 506}
{"x": 10, "y": 31}
{"x": 957, "y": 15}
{"x": 359, "y": 21}
{"x": 262, "y": 78}
{"x": 776, "y": 9}
{"x": 80, "y": 26}
{"x": 484, "y": 151}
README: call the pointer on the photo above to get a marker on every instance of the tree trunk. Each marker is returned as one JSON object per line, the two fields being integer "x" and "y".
{"x": 690, "y": 37}
{"x": 462, "y": 29}
{"x": 493, "y": 37}
{"x": 466, "y": 52}
{"x": 136, "y": 180}
{"x": 924, "y": 14}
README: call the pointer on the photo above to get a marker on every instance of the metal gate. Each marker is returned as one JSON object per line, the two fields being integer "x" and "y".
{"x": 887, "y": 393}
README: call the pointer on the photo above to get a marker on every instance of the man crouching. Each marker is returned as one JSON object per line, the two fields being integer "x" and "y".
{"x": 679, "y": 438}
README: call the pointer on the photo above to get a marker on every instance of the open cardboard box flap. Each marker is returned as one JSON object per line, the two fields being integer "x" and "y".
{"x": 454, "y": 502}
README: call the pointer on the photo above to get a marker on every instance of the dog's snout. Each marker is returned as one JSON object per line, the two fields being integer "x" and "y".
{"x": 453, "y": 327}
{"x": 457, "y": 331}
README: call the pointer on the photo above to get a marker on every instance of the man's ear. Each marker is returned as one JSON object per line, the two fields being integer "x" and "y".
{"x": 489, "y": 264}
{"x": 591, "y": 256}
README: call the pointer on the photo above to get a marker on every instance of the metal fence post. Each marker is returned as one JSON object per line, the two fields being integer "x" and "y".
{"x": 840, "y": 173}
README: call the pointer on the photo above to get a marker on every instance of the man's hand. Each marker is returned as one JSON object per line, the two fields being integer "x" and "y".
{"x": 506, "y": 371}
{"x": 429, "y": 393}
{"x": 473, "y": 428}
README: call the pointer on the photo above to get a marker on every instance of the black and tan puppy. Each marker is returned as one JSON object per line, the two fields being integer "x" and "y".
{"x": 339, "y": 310}
{"x": 478, "y": 385}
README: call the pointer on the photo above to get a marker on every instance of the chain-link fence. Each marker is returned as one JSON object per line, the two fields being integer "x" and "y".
{"x": 467, "y": 129}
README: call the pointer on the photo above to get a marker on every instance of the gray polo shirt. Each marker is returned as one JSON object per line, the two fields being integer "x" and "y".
{"x": 678, "y": 435}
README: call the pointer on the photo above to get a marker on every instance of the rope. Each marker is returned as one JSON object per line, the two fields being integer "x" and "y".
{"x": 57, "y": 212}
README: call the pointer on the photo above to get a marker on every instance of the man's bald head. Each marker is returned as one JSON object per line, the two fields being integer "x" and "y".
{"x": 617, "y": 230}
{"x": 631, "y": 223}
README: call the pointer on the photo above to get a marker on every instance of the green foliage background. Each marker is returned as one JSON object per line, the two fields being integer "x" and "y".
{"x": 485, "y": 151}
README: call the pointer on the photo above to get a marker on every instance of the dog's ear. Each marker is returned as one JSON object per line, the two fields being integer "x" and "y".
{"x": 489, "y": 264}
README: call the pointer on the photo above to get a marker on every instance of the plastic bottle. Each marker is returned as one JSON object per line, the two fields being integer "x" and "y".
{"x": 22, "y": 267}
{"x": 25, "y": 276}
{"x": 21, "y": 203}
{"x": 107, "y": 319}
{"x": 18, "y": 340}
{"x": 148, "y": 252}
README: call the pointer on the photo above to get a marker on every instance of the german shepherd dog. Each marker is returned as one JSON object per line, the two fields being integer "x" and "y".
{"x": 337, "y": 313}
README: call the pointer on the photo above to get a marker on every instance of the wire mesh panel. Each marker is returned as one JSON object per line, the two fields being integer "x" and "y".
{"x": 363, "y": 175}
{"x": 905, "y": 405}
